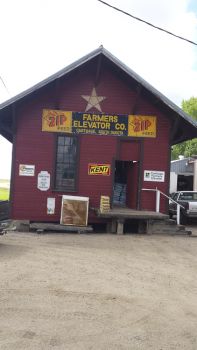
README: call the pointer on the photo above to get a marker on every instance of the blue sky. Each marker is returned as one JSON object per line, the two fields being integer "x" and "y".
{"x": 193, "y": 6}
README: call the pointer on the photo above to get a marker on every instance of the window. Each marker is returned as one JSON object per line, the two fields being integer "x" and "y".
{"x": 175, "y": 196}
{"x": 188, "y": 196}
{"x": 66, "y": 163}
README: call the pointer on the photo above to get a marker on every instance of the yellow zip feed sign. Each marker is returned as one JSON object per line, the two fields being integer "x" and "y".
{"x": 141, "y": 126}
{"x": 56, "y": 121}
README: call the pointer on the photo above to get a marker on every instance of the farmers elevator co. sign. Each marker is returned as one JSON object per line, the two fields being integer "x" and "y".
{"x": 98, "y": 124}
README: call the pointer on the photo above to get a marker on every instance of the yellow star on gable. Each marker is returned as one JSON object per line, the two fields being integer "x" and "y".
{"x": 93, "y": 100}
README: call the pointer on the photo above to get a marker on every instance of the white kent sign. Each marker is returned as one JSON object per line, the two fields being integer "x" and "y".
{"x": 43, "y": 181}
{"x": 155, "y": 176}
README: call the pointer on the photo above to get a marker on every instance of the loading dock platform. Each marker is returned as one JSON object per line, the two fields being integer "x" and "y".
{"x": 118, "y": 216}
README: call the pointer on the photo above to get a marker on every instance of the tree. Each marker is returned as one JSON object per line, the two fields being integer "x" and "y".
{"x": 190, "y": 107}
{"x": 187, "y": 148}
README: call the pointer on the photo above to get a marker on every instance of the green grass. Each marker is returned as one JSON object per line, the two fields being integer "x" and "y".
{"x": 4, "y": 189}
{"x": 4, "y": 194}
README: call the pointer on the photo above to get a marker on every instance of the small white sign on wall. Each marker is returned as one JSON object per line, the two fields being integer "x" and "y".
{"x": 26, "y": 170}
{"x": 50, "y": 206}
{"x": 43, "y": 181}
{"x": 153, "y": 175}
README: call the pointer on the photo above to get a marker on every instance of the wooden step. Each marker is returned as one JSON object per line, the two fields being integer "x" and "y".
{"x": 48, "y": 227}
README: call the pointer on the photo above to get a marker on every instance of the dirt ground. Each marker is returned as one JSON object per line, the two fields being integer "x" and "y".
{"x": 98, "y": 291}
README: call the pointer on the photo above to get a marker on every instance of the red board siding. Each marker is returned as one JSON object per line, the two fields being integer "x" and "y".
{"x": 133, "y": 186}
{"x": 156, "y": 157}
{"x": 95, "y": 149}
{"x": 129, "y": 150}
{"x": 36, "y": 147}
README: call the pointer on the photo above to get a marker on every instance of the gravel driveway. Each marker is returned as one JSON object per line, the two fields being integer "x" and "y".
{"x": 98, "y": 292}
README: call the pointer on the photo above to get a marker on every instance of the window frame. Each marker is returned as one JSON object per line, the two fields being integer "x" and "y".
{"x": 66, "y": 189}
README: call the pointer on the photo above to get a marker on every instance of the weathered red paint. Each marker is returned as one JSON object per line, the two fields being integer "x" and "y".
{"x": 36, "y": 147}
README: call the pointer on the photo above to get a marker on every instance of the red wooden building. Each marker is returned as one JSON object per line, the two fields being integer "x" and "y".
{"x": 94, "y": 128}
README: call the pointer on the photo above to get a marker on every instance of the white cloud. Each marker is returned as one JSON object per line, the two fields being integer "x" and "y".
{"x": 40, "y": 37}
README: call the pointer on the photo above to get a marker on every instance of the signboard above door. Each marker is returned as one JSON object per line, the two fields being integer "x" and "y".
{"x": 98, "y": 124}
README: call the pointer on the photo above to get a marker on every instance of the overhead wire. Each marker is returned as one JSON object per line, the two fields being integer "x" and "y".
{"x": 4, "y": 85}
{"x": 148, "y": 23}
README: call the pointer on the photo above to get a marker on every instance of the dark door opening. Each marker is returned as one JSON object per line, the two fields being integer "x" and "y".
{"x": 120, "y": 183}
{"x": 126, "y": 179}
{"x": 185, "y": 183}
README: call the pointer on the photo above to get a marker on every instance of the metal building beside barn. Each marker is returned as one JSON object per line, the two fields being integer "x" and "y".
{"x": 183, "y": 174}
{"x": 93, "y": 129}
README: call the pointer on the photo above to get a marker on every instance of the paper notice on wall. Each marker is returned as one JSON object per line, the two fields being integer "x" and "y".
{"x": 50, "y": 206}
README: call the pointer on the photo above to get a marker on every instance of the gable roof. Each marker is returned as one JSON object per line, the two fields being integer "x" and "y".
{"x": 185, "y": 127}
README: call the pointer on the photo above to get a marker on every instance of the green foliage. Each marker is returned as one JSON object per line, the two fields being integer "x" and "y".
{"x": 190, "y": 107}
{"x": 4, "y": 194}
{"x": 187, "y": 148}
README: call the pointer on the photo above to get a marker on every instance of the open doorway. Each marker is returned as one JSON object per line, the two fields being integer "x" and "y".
{"x": 120, "y": 183}
{"x": 185, "y": 183}
{"x": 125, "y": 188}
